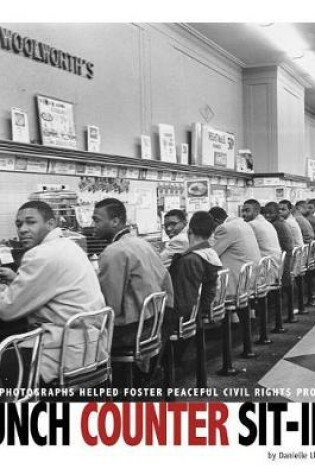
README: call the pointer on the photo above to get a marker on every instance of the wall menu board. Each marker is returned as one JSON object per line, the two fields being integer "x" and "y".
{"x": 197, "y": 193}
{"x": 56, "y": 121}
{"x": 217, "y": 148}
{"x": 142, "y": 206}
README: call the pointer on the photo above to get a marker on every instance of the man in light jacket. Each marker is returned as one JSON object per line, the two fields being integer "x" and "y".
{"x": 54, "y": 282}
{"x": 285, "y": 212}
{"x": 266, "y": 235}
{"x": 235, "y": 243}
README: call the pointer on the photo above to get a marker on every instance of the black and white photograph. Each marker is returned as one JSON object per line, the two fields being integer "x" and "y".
{"x": 166, "y": 253}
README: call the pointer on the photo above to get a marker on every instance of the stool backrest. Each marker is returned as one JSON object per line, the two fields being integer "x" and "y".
{"x": 153, "y": 305}
{"x": 304, "y": 258}
{"x": 95, "y": 330}
{"x": 217, "y": 308}
{"x": 262, "y": 279}
{"x": 188, "y": 327}
{"x": 281, "y": 268}
{"x": 296, "y": 261}
{"x": 15, "y": 343}
{"x": 244, "y": 285}
{"x": 311, "y": 256}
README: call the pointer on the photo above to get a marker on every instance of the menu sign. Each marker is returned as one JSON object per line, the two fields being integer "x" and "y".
{"x": 56, "y": 122}
{"x": 197, "y": 193}
{"x": 217, "y": 148}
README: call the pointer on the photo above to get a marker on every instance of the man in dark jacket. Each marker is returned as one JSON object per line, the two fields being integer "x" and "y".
{"x": 198, "y": 265}
{"x": 284, "y": 235}
{"x": 283, "y": 230}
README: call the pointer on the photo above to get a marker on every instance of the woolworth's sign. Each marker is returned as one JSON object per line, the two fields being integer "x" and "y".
{"x": 43, "y": 53}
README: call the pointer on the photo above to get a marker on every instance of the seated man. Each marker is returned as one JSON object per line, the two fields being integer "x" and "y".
{"x": 198, "y": 265}
{"x": 310, "y": 212}
{"x": 235, "y": 243}
{"x": 130, "y": 270}
{"x": 54, "y": 282}
{"x": 300, "y": 214}
{"x": 266, "y": 235}
{"x": 175, "y": 225}
{"x": 284, "y": 235}
{"x": 285, "y": 212}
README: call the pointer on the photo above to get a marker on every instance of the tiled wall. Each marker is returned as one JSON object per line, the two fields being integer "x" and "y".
{"x": 15, "y": 189}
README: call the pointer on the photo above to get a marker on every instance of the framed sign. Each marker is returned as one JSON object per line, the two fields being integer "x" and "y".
{"x": 20, "y": 128}
{"x": 167, "y": 143}
{"x": 197, "y": 193}
{"x": 217, "y": 148}
{"x": 93, "y": 139}
{"x": 56, "y": 122}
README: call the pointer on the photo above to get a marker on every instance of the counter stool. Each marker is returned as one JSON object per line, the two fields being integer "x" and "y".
{"x": 276, "y": 287}
{"x": 240, "y": 304}
{"x": 218, "y": 314}
{"x": 145, "y": 347}
{"x": 188, "y": 328}
{"x": 294, "y": 271}
{"x": 95, "y": 368}
{"x": 310, "y": 274}
{"x": 301, "y": 277}
{"x": 259, "y": 296}
{"x": 15, "y": 343}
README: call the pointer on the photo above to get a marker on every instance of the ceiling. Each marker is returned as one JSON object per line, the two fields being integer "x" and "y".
{"x": 245, "y": 43}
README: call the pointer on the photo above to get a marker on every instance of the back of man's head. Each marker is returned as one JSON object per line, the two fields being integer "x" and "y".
{"x": 218, "y": 214}
{"x": 42, "y": 207}
{"x": 272, "y": 205}
{"x": 114, "y": 208}
{"x": 201, "y": 225}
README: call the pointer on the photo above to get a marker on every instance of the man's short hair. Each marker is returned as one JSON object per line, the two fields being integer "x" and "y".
{"x": 115, "y": 208}
{"x": 254, "y": 203}
{"x": 273, "y": 205}
{"x": 42, "y": 207}
{"x": 218, "y": 214}
{"x": 180, "y": 214}
{"x": 287, "y": 203}
{"x": 201, "y": 224}
{"x": 311, "y": 201}
{"x": 300, "y": 203}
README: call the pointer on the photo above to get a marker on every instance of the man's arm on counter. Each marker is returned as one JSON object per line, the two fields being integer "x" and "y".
{"x": 32, "y": 288}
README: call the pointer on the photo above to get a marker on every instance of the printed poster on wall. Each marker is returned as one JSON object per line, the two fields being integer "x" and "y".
{"x": 20, "y": 127}
{"x": 142, "y": 206}
{"x": 56, "y": 120}
{"x": 93, "y": 138}
{"x": 217, "y": 148}
{"x": 197, "y": 193}
{"x": 167, "y": 143}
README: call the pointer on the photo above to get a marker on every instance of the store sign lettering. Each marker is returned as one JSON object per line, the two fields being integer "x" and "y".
{"x": 41, "y": 52}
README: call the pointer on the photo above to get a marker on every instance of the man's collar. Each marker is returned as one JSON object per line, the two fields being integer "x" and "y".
{"x": 52, "y": 235}
{"x": 120, "y": 234}
{"x": 201, "y": 245}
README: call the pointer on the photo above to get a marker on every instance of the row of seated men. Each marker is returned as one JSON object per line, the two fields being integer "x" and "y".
{"x": 266, "y": 231}
{"x": 56, "y": 280}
